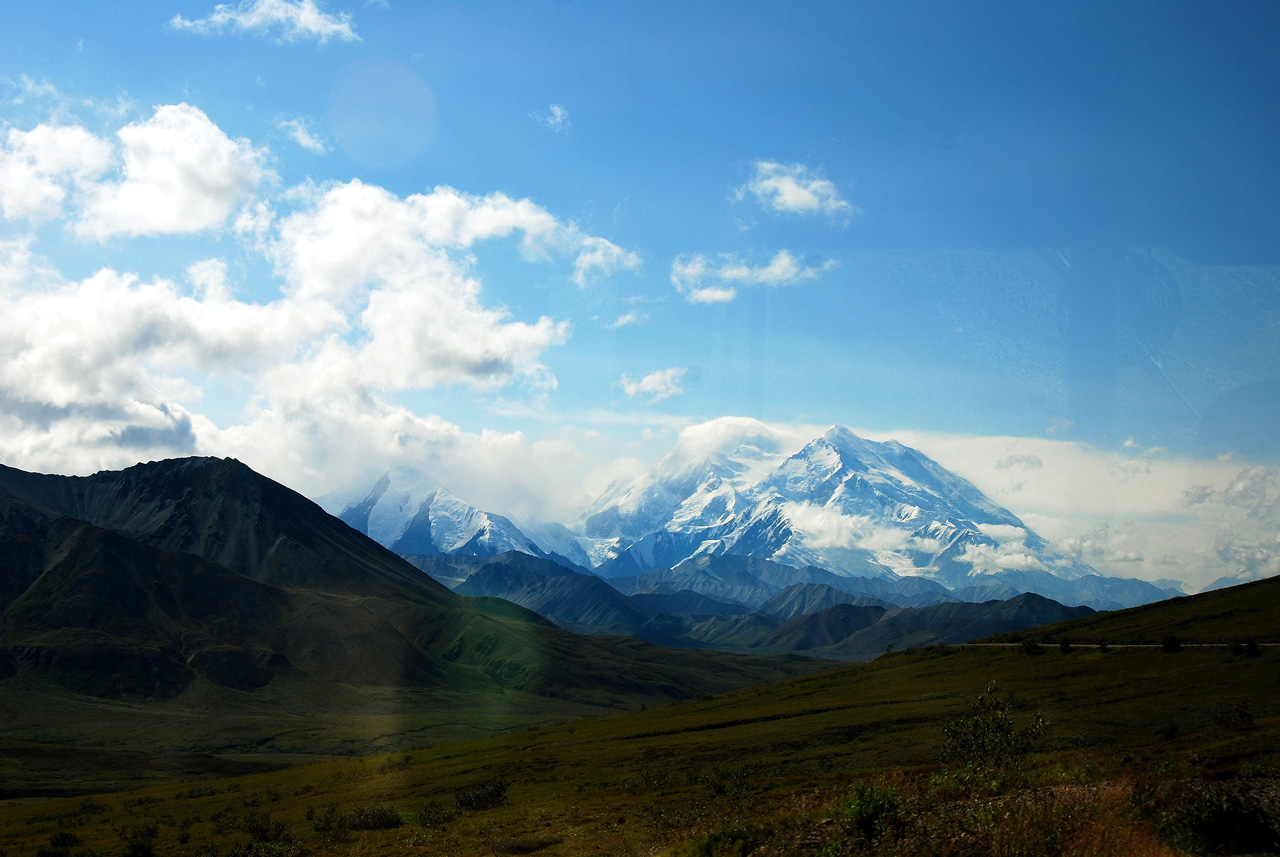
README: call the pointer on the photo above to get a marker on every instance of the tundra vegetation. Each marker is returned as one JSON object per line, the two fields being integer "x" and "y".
{"x": 940, "y": 750}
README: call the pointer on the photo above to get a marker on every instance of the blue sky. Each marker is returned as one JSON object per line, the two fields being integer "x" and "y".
{"x": 523, "y": 245}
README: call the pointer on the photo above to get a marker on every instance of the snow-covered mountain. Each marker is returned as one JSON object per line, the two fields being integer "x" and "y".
{"x": 408, "y": 512}
{"x": 736, "y": 488}
{"x": 837, "y": 501}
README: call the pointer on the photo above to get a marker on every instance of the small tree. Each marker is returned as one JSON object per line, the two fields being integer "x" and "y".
{"x": 1171, "y": 643}
{"x": 987, "y": 735}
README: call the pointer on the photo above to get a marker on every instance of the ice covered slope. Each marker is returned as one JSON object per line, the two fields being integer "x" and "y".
{"x": 836, "y": 501}
{"x": 408, "y": 512}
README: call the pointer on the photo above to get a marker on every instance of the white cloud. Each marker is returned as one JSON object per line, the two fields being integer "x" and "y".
{"x": 1003, "y": 532}
{"x": 1020, "y": 462}
{"x": 376, "y": 297}
{"x": 1104, "y": 545}
{"x": 302, "y": 135}
{"x": 629, "y": 318}
{"x": 655, "y": 386}
{"x": 598, "y": 255}
{"x": 793, "y": 188}
{"x": 352, "y": 234}
{"x": 727, "y": 272}
{"x": 182, "y": 174}
{"x": 1004, "y": 557}
{"x": 555, "y": 118}
{"x": 37, "y": 166}
{"x": 295, "y": 19}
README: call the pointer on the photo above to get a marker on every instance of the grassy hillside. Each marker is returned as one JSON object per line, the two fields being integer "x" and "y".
{"x": 1236, "y": 614}
{"x": 770, "y": 768}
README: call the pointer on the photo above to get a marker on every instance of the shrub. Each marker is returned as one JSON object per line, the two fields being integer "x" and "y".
{"x": 987, "y": 735}
{"x": 373, "y": 816}
{"x": 1031, "y": 647}
{"x": 1251, "y": 648}
{"x": 332, "y": 824}
{"x": 139, "y": 841}
{"x": 1171, "y": 643}
{"x": 260, "y": 827}
{"x": 1064, "y": 646}
{"x": 735, "y": 839}
{"x": 1218, "y": 818}
{"x": 436, "y": 814}
{"x": 370, "y": 816}
{"x": 60, "y": 845}
{"x": 875, "y": 812}
{"x": 391, "y": 766}
{"x": 477, "y": 797}
{"x": 1233, "y": 713}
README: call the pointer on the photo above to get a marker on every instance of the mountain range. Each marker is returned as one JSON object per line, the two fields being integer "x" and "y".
{"x": 174, "y": 578}
{"x": 743, "y": 605}
{"x": 734, "y": 487}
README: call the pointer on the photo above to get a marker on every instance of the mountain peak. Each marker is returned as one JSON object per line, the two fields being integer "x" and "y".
{"x": 835, "y": 500}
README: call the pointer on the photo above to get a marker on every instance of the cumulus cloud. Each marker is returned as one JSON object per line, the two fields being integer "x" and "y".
{"x": 293, "y": 19}
{"x": 1104, "y": 545}
{"x": 1255, "y": 491}
{"x": 375, "y": 296}
{"x": 825, "y": 528}
{"x": 302, "y": 135}
{"x": 794, "y": 189}
{"x": 181, "y": 174}
{"x": 1247, "y": 556}
{"x": 352, "y": 234}
{"x": 1009, "y": 556}
{"x": 554, "y": 118}
{"x": 629, "y": 318}
{"x": 37, "y": 166}
{"x": 690, "y": 275}
{"x": 655, "y": 386}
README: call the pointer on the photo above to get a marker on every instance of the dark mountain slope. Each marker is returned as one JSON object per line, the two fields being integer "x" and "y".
{"x": 821, "y": 629}
{"x": 956, "y": 622}
{"x": 577, "y": 602}
{"x": 686, "y": 602}
{"x": 801, "y": 598}
{"x": 1231, "y": 615}
{"x": 223, "y": 512}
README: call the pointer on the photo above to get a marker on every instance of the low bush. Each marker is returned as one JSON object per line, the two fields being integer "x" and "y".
{"x": 332, "y": 824}
{"x": 735, "y": 839}
{"x": 874, "y": 812}
{"x": 1211, "y": 818}
{"x": 436, "y": 814}
{"x": 477, "y": 797}
{"x": 139, "y": 841}
{"x": 373, "y": 816}
{"x": 262, "y": 828}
